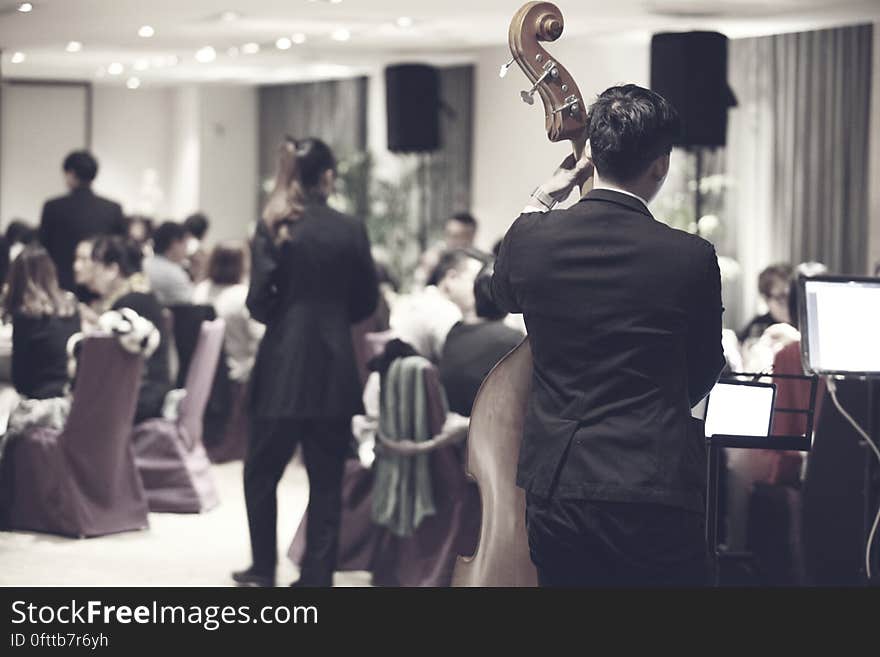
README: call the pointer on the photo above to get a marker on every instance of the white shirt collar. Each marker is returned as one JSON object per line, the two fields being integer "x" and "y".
{"x": 623, "y": 191}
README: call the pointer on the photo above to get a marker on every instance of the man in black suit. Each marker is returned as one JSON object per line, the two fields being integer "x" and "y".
{"x": 624, "y": 318}
{"x": 308, "y": 287}
{"x": 67, "y": 220}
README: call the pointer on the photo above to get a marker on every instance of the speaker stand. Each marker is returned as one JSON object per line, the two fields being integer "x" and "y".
{"x": 422, "y": 182}
{"x": 698, "y": 194}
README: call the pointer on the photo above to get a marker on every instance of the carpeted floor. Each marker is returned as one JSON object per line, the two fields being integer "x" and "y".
{"x": 177, "y": 550}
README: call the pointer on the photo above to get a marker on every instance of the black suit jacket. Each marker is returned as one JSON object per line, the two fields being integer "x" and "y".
{"x": 624, "y": 319}
{"x": 67, "y": 220}
{"x": 308, "y": 292}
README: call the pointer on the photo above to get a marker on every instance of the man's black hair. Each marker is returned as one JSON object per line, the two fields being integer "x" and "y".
{"x": 196, "y": 225}
{"x": 166, "y": 235}
{"x": 629, "y": 127}
{"x": 113, "y": 249}
{"x": 484, "y": 304}
{"x": 83, "y": 165}
{"x": 454, "y": 259}
{"x": 465, "y": 218}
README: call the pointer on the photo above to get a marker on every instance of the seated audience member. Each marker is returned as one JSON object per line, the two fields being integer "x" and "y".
{"x": 168, "y": 279}
{"x": 474, "y": 345}
{"x": 459, "y": 232}
{"x": 82, "y": 274}
{"x": 44, "y": 317}
{"x": 424, "y": 318}
{"x": 196, "y": 226}
{"x": 777, "y": 350}
{"x": 18, "y": 235}
{"x": 773, "y": 284}
{"x": 226, "y": 290}
{"x": 116, "y": 278}
{"x": 140, "y": 231}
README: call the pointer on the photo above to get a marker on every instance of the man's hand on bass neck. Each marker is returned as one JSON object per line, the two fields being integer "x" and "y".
{"x": 569, "y": 174}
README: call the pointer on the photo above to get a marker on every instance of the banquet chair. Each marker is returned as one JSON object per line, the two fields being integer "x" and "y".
{"x": 169, "y": 453}
{"x": 427, "y": 557}
{"x": 82, "y": 481}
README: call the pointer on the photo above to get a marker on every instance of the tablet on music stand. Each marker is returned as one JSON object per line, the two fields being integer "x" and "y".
{"x": 740, "y": 408}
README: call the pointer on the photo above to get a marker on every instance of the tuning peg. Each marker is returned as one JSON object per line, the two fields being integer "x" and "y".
{"x": 529, "y": 96}
{"x": 506, "y": 67}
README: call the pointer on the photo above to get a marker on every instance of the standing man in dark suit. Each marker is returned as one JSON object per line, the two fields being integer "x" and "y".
{"x": 624, "y": 319}
{"x": 313, "y": 277}
{"x": 67, "y": 220}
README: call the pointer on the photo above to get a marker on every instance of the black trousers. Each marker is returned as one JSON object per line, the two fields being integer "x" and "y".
{"x": 272, "y": 444}
{"x": 582, "y": 543}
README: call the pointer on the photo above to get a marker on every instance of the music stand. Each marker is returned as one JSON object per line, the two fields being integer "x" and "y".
{"x": 839, "y": 318}
{"x": 772, "y": 441}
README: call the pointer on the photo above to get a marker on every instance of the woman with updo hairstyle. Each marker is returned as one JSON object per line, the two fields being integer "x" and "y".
{"x": 312, "y": 278}
{"x": 118, "y": 280}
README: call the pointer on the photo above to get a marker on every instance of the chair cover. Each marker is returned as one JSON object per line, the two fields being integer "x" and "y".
{"x": 426, "y": 558}
{"x": 169, "y": 454}
{"x": 83, "y": 481}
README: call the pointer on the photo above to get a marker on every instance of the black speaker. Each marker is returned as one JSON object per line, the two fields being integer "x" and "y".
{"x": 412, "y": 98}
{"x": 689, "y": 69}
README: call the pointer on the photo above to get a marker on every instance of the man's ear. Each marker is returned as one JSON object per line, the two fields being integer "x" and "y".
{"x": 327, "y": 179}
{"x": 660, "y": 167}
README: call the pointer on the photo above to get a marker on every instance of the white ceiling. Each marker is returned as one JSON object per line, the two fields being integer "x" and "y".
{"x": 441, "y": 31}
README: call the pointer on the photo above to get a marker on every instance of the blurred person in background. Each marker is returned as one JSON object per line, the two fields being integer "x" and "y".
{"x": 226, "y": 289}
{"x": 168, "y": 279}
{"x": 67, "y": 220}
{"x": 196, "y": 227}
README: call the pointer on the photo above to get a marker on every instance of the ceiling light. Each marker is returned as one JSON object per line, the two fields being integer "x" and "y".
{"x": 341, "y": 35}
{"x": 18, "y": 57}
{"x": 404, "y": 22}
{"x": 132, "y": 83}
{"x": 298, "y": 38}
{"x": 74, "y": 46}
{"x": 115, "y": 68}
{"x": 250, "y": 48}
{"x": 25, "y": 7}
{"x": 283, "y": 43}
{"x": 206, "y": 55}
{"x": 335, "y": 2}
{"x": 146, "y": 31}
{"x": 229, "y": 16}
{"x": 233, "y": 51}
{"x": 171, "y": 60}
{"x": 141, "y": 64}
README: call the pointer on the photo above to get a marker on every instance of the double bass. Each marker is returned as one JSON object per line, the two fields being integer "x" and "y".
{"x": 496, "y": 426}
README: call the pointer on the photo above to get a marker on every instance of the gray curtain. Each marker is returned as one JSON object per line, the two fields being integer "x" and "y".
{"x": 448, "y": 185}
{"x": 806, "y": 97}
{"x": 797, "y": 153}
{"x": 334, "y": 111}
